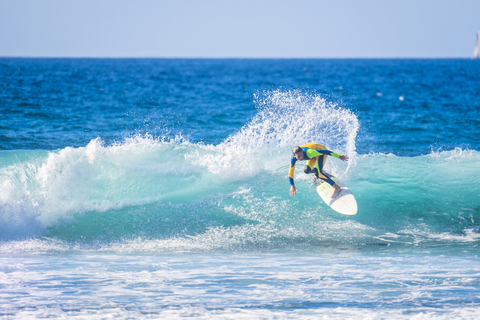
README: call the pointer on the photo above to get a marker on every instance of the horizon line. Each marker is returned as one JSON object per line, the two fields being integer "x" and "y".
{"x": 224, "y": 58}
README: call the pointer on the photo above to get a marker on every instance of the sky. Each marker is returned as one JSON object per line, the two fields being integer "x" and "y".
{"x": 239, "y": 29}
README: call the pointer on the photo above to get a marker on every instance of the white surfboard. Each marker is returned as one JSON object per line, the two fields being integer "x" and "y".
{"x": 344, "y": 203}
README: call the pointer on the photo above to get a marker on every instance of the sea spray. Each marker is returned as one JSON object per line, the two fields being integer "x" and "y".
{"x": 285, "y": 119}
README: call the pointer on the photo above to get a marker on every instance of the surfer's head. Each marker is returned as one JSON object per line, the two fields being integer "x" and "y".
{"x": 297, "y": 153}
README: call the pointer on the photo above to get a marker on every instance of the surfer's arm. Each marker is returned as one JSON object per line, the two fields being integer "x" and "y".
{"x": 293, "y": 190}
{"x": 315, "y": 153}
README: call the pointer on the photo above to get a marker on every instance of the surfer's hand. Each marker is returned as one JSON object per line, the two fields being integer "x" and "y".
{"x": 293, "y": 190}
{"x": 344, "y": 158}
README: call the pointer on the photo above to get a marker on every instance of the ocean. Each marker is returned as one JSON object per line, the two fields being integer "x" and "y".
{"x": 158, "y": 189}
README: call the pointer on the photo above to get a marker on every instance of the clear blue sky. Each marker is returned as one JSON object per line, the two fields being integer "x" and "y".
{"x": 246, "y": 28}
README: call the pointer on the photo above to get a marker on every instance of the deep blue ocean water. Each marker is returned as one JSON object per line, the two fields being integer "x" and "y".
{"x": 157, "y": 188}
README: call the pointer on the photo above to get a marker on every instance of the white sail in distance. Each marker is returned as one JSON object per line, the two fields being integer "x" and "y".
{"x": 477, "y": 46}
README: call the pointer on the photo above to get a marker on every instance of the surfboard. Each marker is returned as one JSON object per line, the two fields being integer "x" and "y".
{"x": 344, "y": 203}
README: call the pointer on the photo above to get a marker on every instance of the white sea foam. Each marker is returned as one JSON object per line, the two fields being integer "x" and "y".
{"x": 240, "y": 286}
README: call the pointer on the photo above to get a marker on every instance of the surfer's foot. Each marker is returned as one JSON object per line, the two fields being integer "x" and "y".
{"x": 336, "y": 190}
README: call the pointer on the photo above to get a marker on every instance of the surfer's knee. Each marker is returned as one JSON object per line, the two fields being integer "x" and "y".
{"x": 307, "y": 169}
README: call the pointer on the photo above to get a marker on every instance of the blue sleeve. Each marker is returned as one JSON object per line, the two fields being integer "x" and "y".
{"x": 292, "y": 170}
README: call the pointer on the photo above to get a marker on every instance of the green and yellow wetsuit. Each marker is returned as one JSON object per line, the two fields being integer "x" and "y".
{"x": 316, "y": 156}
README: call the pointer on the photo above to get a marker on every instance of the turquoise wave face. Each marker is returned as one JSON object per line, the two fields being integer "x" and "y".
{"x": 146, "y": 194}
{"x": 181, "y": 206}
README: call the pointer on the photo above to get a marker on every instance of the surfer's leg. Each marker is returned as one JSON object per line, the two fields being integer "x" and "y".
{"x": 311, "y": 167}
{"x": 321, "y": 163}
{"x": 308, "y": 167}
{"x": 325, "y": 177}
{"x": 319, "y": 170}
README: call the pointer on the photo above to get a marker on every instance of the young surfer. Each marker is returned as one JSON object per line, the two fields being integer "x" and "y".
{"x": 316, "y": 155}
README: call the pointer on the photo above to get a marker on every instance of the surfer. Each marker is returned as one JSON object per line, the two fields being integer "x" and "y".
{"x": 316, "y": 156}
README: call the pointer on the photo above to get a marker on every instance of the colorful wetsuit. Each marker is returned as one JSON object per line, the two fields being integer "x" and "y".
{"x": 316, "y": 156}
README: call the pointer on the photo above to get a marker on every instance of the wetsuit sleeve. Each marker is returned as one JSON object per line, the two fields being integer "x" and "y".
{"x": 314, "y": 153}
{"x": 292, "y": 170}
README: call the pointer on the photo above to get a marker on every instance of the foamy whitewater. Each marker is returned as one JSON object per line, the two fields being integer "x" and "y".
{"x": 180, "y": 208}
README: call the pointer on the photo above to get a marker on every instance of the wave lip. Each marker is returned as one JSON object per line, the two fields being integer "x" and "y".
{"x": 42, "y": 190}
